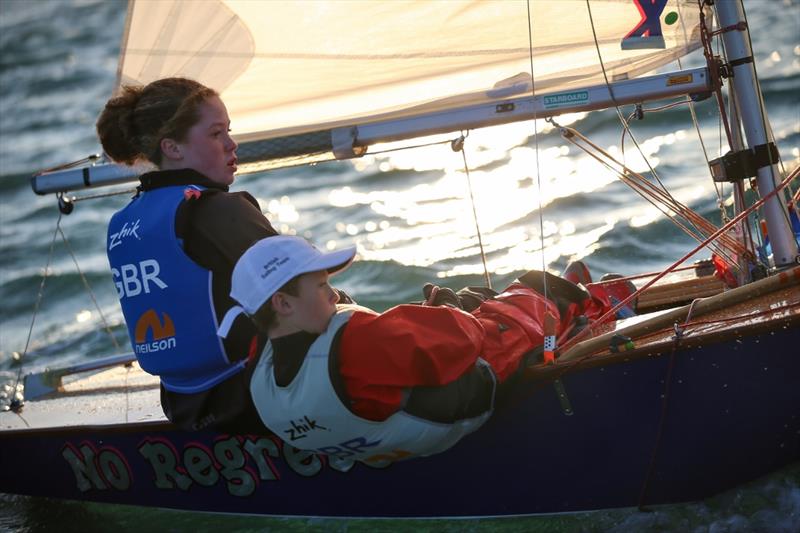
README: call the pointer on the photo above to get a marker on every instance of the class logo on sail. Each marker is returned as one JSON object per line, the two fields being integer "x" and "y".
{"x": 647, "y": 33}
{"x": 159, "y": 331}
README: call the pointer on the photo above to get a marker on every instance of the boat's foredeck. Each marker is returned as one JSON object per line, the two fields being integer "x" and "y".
{"x": 118, "y": 395}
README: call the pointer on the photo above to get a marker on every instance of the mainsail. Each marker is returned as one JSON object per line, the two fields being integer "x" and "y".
{"x": 289, "y": 69}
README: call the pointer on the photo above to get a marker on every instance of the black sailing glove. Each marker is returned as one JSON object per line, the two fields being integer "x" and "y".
{"x": 435, "y": 296}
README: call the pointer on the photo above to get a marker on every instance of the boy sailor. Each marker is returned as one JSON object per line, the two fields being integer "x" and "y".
{"x": 318, "y": 389}
{"x": 354, "y": 384}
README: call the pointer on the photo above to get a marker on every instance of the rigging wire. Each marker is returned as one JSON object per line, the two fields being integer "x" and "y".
{"x": 89, "y": 289}
{"x": 720, "y": 189}
{"x": 616, "y": 104}
{"x": 705, "y": 38}
{"x": 739, "y": 192}
{"x": 664, "y": 191}
{"x": 738, "y": 187}
{"x": 767, "y": 130}
{"x": 640, "y": 112}
{"x": 15, "y": 402}
{"x": 653, "y": 194}
{"x": 612, "y": 312}
{"x": 536, "y": 150}
{"x": 458, "y": 145}
{"x": 714, "y": 72}
{"x": 75, "y": 199}
{"x": 768, "y": 136}
{"x": 412, "y": 146}
{"x": 91, "y": 158}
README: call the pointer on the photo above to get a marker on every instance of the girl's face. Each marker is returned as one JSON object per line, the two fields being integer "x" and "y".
{"x": 208, "y": 147}
{"x": 315, "y": 302}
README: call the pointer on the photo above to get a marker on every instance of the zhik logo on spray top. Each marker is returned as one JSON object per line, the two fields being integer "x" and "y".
{"x": 162, "y": 333}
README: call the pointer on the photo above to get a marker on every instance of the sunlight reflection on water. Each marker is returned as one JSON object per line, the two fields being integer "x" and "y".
{"x": 432, "y": 223}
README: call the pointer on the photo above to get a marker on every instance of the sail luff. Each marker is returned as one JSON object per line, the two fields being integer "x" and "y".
{"x": 123, "y": 47}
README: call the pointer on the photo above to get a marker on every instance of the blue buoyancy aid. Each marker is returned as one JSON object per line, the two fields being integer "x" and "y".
{"x": 165, "y": 296}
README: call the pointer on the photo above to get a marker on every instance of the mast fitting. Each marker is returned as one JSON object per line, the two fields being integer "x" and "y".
{"x": 740, "y": 61}
{"x": 65, "y": 204}
{"x": 743, "y": 164}
{"x": 739, "y": 26}
{"x": 343, "y": 141}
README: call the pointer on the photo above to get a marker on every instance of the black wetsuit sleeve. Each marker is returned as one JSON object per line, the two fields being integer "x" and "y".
{"x": 468, "y": 396}
{"x": 217, "y": 229}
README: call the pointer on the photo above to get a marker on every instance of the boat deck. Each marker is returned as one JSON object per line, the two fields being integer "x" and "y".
{"x": 121, "y": 395}
{"x": 763, "y": 306}
{"x": 118, "y": 395}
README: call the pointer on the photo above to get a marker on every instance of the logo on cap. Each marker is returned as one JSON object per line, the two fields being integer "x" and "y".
{"x": 272, "y": 265}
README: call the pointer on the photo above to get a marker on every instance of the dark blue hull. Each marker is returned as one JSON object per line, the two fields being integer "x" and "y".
{"x": 732, "y": 414}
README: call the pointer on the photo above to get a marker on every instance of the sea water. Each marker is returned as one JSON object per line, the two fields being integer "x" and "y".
{"x": 409, "y": 212}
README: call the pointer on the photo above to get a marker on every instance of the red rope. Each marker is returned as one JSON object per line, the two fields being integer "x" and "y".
{"x": 608, "y": 315}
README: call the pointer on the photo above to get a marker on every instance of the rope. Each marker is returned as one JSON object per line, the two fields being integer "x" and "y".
{"x": 722, "y": 118}
{"x": 536, "y": 150}
{"x": 612, "y": 312}
{"x": 679, "y": 331}
{"x": 661, "y": 423}
{"x": 716, "y": 80}
{"x": 91, "y": 158}
{"x": 626, "y": 127}
{"x": 74, "y": 199}
{"x": 89, "y": 289}
{"x": 458, "y": 145}
{"x": 410, "y": 147}
{"x": 767, "y": 130}
{"x": 651, "y": 193}
{"x": 616, "y": 104}
{"x": 16, "y": 404}
{"x": 739, "y": 192}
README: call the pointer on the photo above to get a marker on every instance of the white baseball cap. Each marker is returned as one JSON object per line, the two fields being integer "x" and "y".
{"x": 272, "y": 262}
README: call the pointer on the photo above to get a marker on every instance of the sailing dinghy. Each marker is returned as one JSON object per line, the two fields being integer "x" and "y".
{"x": 696, "y": 394}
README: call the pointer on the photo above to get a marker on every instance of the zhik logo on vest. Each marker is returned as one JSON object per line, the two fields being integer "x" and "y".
{"x": 162, "y": 333}
{"x": 115, "y": 239}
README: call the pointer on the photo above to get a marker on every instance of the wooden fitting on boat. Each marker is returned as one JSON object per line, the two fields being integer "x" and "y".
{"x": 678, "y": 292}
{"x": 783, "y": 280}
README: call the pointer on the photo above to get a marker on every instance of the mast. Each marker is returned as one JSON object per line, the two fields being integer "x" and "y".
{"x": 753, "y": 117}
{"x": 744, "y": 276}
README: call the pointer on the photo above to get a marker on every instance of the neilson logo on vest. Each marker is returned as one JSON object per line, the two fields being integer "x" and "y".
{"x": 161, "y": 332}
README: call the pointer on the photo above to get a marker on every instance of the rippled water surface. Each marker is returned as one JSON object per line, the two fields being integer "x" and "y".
{"x": 409, "y": 212}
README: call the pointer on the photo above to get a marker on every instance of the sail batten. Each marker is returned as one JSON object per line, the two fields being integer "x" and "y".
{"x": 289, "y": 68}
